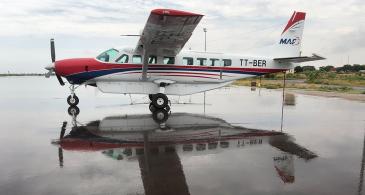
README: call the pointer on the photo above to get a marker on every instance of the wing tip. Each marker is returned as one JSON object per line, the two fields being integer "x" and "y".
{"x": 173, "y": 12}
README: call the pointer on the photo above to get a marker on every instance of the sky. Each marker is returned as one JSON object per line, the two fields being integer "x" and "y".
{"x": 85, "y": 28}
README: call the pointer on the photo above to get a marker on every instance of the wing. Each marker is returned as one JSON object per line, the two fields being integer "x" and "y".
{"x": 314, "y": 57}
{"x": 166, "y": 32}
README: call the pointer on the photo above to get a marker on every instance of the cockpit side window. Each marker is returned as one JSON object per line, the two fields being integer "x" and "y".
{"x": 108, "y": 55}
{"x": 122, "y": 59}
{"x": 152, "y": 59}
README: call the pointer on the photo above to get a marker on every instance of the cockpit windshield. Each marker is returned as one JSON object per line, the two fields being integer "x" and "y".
{"x": 108, "y": 55}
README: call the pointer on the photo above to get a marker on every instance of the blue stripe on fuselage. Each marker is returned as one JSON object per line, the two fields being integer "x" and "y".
{"x": 81, "y": 77}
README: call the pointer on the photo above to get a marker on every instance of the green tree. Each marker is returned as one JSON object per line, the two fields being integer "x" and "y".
{"x": 298, "y": 69}
{"x": 347, "y": 68}
{"x": 326, "y": 68}
{"x": 308, "y": 68}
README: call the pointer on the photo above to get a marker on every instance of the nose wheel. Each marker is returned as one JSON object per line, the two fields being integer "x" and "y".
{"x": 73, "y": 111}
{"x": 72, "y": 100}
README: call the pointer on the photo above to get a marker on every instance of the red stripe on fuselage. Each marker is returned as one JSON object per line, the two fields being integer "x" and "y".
{"x": 79, "y": 65}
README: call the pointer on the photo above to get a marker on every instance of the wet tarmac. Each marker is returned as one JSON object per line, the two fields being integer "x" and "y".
{"x": 238, "y": 143}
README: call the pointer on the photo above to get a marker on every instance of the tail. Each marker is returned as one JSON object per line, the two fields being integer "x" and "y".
{"x": 290, "y": 41}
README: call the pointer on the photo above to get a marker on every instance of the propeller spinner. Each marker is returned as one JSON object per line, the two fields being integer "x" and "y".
{"x": 51, "y": 67}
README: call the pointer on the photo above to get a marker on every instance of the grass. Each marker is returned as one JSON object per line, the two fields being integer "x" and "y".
{"x": 338, "y": 83}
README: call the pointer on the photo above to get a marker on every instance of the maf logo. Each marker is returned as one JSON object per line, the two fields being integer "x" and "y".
{"x": 294, "y": 41}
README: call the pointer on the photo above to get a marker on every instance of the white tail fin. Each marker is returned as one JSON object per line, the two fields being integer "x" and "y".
{"x": 291, "y": 37}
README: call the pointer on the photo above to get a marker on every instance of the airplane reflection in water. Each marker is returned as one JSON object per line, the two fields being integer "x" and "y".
{"x": 158, "y": 145}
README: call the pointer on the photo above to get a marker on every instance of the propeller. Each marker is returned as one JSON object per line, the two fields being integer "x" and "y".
{"x": 51, "y": 67}
{"x": 60, "y": 150}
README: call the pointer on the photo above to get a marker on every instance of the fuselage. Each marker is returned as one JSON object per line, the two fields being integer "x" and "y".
{"x": 188, "y": 67}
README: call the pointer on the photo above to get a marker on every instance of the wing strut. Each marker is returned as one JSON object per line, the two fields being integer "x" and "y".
{"x": 145, "y": 64}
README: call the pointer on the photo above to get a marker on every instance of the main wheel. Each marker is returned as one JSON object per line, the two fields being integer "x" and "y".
{"x": 167, "y": 108}
{"x": 159, "y": 100}
{"x": 72, "y": 100}
{"x": 160, "y": 115}
{"x": 152, "y": 107}
{"x": 150, "y": 96}
{"x": 73, "y": 110}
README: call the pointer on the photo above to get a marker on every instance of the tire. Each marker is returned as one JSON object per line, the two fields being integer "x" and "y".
{"x": 152, "y": 108}
{"x": 160, "y": 116}
{"x": 72, "y": 100}
{"x": 167, "y": 108}
{"x": 150, "y": 96}
{"x": 160, "y": 100}
{"x": 73, "y": 110}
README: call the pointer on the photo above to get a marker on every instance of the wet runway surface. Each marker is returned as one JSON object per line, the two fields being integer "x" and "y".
{"x": 235, "y": 146}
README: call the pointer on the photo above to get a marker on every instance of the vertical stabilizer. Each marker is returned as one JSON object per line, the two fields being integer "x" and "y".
{"x": 291, "y": 37}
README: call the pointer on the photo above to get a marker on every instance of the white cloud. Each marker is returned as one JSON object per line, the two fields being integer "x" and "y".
{"x": 333, "y": 28}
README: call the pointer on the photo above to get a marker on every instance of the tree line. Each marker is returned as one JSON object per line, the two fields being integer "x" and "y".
{"x": 347, "y": 68}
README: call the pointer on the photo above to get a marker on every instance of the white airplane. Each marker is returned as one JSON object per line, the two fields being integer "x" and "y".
{"x": 157, "y": 65}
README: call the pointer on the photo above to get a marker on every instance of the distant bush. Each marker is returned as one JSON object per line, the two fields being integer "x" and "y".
{"x": 308, "y": 68}
{"x": 298, "y": 69}
{"x": 312, "y": 76}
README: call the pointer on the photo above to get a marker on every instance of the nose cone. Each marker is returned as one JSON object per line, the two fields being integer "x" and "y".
{"x": 72, "y": 66}
{"x": 50, "y": 66}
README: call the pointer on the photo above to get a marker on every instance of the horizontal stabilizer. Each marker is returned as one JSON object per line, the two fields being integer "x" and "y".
{"x": 299, "y": 59}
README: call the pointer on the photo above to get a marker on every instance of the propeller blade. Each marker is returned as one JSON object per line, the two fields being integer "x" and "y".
{"x": 63, "y": 129}
{"x": 60, "y": 156}
{"x": 60, "y": 80}
{"x": 53, "y": 52}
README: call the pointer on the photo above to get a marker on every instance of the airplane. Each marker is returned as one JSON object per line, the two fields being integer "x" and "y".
{"x": 140, "y": 137}
{"x": 158, "y": 66}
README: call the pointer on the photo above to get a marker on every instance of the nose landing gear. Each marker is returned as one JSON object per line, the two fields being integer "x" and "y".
{"x": 72, "y": 99}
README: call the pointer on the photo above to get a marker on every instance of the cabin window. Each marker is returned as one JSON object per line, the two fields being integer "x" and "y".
{"x": 169, "y": 60}
{"x": 137, "y": 59}
{"x": 152, "y": 60}
{"x": 224, "y": 144}
{"x": 200, "y": 147}
{"x": 214, "y": 62}
{"x": 122, "y": 59}
{"x": 108, "y": 55}
{"x": 139, "y": 151}
{"x": 154, "y": 150}
{"x": 170, "y": 149}
{"x": 227, "y": 62}
{"x": 188, "y": 61}
{"x": 202, "y": 61}
{"x": 187, "y": 147}
{"x": 212, "y": 146}
{"x": 127, "y": 152}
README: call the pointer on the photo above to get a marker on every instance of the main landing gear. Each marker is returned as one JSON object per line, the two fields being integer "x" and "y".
{"x": 72, "y": 99}
{"x": 159, "y": 106}
{"x": 159, "y": 101}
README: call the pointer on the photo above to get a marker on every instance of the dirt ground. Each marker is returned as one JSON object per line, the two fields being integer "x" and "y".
{"x": 354, "y": 97}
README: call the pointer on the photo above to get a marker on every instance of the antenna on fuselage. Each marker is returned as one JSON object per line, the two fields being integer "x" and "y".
{"x": 205, "y": 39}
